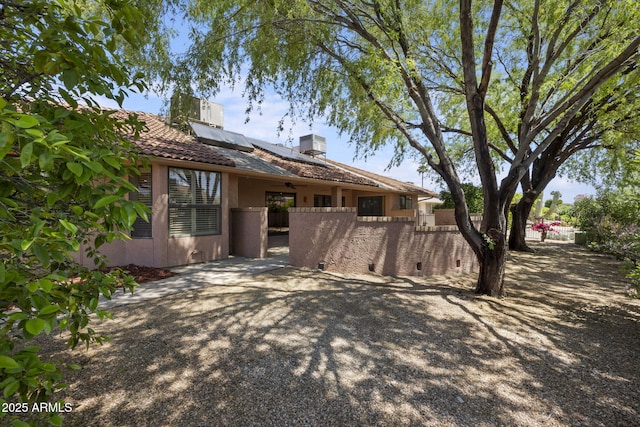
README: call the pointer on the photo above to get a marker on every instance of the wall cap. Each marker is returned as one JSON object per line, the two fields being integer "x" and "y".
{"x": 322, "y": 210}
{"x": 253, "y": 209}
{"x": 386, "y": 219}
{"x": 437, "y": 228}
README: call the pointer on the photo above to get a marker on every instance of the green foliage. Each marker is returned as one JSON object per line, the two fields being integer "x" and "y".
{"x": 506, "y": 86}
{"x": 612, "y": 223}
{"x": 64, "y": 164}
{"x": 472, "y": 193}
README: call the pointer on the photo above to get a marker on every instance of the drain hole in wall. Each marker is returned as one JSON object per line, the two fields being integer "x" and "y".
{"x": 457, "y": 263}
{"x": 419, "y": 266}
{"x": 371, "y": 267}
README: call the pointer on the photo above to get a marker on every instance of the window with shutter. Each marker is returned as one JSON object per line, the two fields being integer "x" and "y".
{"x": 141, "y": 228}
{"x": 195, "y": 204}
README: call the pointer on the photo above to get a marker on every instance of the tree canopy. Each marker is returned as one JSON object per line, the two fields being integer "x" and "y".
{"x": 516, "y": 82}
{"x": 64, "y": 164}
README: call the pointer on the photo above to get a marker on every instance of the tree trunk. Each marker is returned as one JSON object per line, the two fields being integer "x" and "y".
{"x": 520, "y": 213}
{"x": 492, "y": 265}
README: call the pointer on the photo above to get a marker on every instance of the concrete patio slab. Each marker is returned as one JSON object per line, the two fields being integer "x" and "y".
{"x": 194, "y": 276}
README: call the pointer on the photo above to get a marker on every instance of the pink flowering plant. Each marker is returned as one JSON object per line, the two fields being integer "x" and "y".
{"x": 545, "y": 227}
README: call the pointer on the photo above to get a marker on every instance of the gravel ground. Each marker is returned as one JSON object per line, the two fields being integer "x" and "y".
{"x": 302, "y": 348}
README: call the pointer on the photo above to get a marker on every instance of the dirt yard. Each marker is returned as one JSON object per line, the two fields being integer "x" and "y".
{"x": 295, "y": 347}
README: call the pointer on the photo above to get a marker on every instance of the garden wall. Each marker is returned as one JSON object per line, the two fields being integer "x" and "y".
{"x": 249, "y": 232}
{"x": 336, "y": 239}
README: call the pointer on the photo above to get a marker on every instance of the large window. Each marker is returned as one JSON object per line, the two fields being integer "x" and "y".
{"x": 406, "y": 202}
{"x": 142, "y": 228}
{"x": 371, "y": 206}
{"x": 195, "y": 206}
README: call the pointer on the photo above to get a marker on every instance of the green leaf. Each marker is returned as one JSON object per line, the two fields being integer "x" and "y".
{"x": 8, "y": 362}
{"x": 75, "y": 168}
{"x": 26, "y": 244}
{"x": 69, "y": 226}
{"x": 9, "y": 202}
{"x": 32, "y": 286}
{"x": 46, "y": 284}
{"x": 105, "y": 201}
{"x": 52, "y": 198}
{"x": 56, "y": 420}
{"x": 45, "y": 160}
{"x": 11, "y": 388}
{"x": 63, "y": 323}
{"x": 95, "y": 166}
{"x": 86, "y": 176}
{"x": 131, "y": 215}
{"x": 35, "y": 326}
{"x": 48, "y": 367}
{"x": 36, "y": 133}
{"x": 50, "y": 309}
{"x": 26, "y": 122}
{"x": 112, "y": 161}
{"x": 7, "y": 137}
{"x": 42, "y": 254}
{"x": 18, "y": 316}
{"x": 70, "y": 78}
{"x": 25, "y": 155}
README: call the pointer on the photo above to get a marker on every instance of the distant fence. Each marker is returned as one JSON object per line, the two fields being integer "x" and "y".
{"x": 426, "y": 220}
{"x": 562, "y": 233}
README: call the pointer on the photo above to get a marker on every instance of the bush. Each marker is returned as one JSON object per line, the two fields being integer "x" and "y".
{"x": 63, "y": 183}
{"x": 612, "y": 223}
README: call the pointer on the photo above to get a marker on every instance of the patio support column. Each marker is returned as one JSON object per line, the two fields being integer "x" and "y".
{"x": 336, "y": 197}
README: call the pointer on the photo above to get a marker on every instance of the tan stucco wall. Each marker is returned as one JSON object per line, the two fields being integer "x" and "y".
{"x": 447, "y": 217}
{"x": 344, "y": 243}
{"x": 161, "y": 250}
{"x": 251, "y": 193}
{"x": 249, "y": 231}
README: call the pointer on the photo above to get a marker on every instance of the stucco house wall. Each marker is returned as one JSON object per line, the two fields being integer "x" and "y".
{"x": 249, "y": 168}
{"x": 162, "y": 250}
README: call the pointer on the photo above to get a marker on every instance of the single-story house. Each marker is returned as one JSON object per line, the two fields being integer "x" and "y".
{"x": 215, "y": 193}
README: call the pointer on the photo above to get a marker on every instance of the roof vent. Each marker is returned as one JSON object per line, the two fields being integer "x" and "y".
{"x": 197, "y": 110}
{"x": 211, "y": 113}
{"x": 313, "y": 144}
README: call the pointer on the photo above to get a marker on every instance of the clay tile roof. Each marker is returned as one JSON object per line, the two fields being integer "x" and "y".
{"x": 315, "y": 171}
{"x": 385, "y": 181}
{"x": 160, "y": 140}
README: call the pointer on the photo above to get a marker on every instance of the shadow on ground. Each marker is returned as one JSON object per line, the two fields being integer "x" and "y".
{"x": 295, "y": 347}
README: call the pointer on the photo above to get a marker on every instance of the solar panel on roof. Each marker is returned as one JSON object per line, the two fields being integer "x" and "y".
{"x": 285, "y": 153}
{"x": 221, "y": 138}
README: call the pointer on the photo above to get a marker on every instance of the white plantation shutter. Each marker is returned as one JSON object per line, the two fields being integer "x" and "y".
{"x": 194, "y": 202}
{"x": 142, "y": 228}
